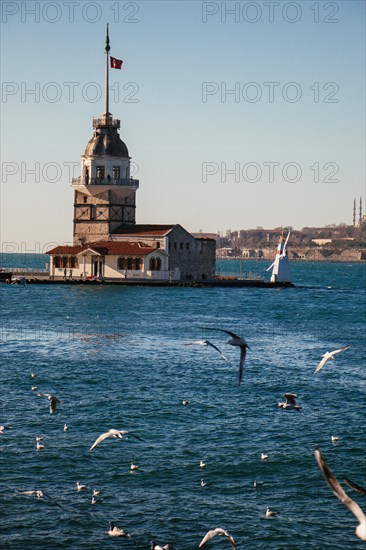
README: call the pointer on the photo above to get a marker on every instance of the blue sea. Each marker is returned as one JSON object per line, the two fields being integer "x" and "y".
{"x": 116, "y": 358}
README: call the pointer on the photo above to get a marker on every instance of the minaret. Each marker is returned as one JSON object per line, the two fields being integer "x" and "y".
{"x": 105, "y": 194}
{"x": 354, "y": 212}
{"x": 360, "y": 215}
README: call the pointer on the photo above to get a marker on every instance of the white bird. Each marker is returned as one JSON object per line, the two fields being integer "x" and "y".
{"x": 115, "y": 531}
{"x": 96, "y": 492}
{"x": 154, "y": 546}
{"x": 66, "y": 427}
{"x": 257, "y": 484}
{"x": 119, "y": 434}
{"x": 270, "y": 513}
{"x": 34, "y": 388}
{"x": 54, "y": 401}
{"x": 328, "y": 355}
{"x": 95, "y": 499}
{"x": 39, "y": 437}
{"x": 33, "y": 375}
{"x": 235, "y": 340}
{"x": 38, "y": 493}
{"x": 264, "y": 456}
{"x": 220, "y": 532}
{"x": 134, "y": 467}
{"x": 81, "y": 486}
{"x": 290, "y": 403}
{"x": 202, "y": 464}
{"x": 3, "y": 428}
{"x": 205, "y": 483}
{"x": 342, "y": 495}
{"x": 334, "y": 438}
{"x": 206, "y": 343}
{"x": 39, "y": 446}
{"x": 185, "y": 402}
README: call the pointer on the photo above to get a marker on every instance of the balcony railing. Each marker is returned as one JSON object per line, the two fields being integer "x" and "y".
{"x": 106, "y": 122}
{"x": 128, "y": 182}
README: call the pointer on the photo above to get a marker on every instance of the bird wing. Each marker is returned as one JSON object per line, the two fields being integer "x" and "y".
{"x": 197, "y": 342}
{"x": 337, "y": 488}
{"x": 100, "y": 439}
{"x": 339, "y": 350}
{"x": 53, "y": 403}
{"x": 232, "y": 334}
{"x": 43, "y": 394}
{"x": 326, "y": 356}
{"x": 290, "y": 398}
{"x": 134, "y": 435}
{"x": 243, "y": 352}
{"x": 210, "y": 534}
{"x": 355, "y": 487}
{"x": 208, "y": 343}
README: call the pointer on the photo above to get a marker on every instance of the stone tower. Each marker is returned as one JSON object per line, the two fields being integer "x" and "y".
{"x": 105, "y": 194}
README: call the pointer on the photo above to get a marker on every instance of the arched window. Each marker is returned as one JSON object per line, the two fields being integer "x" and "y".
{"x": 158, "y": 264}
{"x": 152, "y": 264}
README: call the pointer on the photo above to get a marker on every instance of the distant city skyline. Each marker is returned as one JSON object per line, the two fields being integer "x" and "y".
{"x": 236, "y": 115}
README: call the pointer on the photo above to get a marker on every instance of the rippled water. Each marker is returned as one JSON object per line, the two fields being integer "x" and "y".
{"x": 116, "y": 358}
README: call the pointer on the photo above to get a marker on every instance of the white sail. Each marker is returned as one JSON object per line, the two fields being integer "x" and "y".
{"x": 280, "y": 271}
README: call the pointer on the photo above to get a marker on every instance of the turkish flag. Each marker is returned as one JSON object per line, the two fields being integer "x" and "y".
{"x": 116, "y": 63}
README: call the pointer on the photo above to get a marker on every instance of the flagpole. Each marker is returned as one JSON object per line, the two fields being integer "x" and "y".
{"x": 107, "y": 48}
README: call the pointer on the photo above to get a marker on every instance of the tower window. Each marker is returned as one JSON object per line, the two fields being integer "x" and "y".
{"x": 85, "y": 199}
{"x": 181, "y": 246}
{"x": 100, "y": 172}
{"x": 116, "y": 172}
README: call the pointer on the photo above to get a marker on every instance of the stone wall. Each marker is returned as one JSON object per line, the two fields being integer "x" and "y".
{"x": 195, "y": 258}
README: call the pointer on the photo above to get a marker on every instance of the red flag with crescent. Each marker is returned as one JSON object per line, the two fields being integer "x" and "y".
{"x": 116, "y": 63}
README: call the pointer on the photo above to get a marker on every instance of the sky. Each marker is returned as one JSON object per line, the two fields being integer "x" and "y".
{"x": 236, "y": 115}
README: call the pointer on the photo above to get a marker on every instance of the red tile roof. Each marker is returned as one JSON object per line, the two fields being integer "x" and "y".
{"x": 106, "y": 247}
{"x": 146, "y": 230}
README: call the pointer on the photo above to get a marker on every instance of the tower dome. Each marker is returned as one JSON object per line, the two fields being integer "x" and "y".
{"x": 106, "y": 142}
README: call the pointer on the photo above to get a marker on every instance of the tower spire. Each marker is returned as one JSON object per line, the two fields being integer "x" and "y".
{"x": 360, "y": 213}
{"x": 107, "y": 49}
{"x": 354, "y": 212}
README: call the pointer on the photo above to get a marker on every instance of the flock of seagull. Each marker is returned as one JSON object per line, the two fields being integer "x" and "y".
{"x": 289, "y": 405}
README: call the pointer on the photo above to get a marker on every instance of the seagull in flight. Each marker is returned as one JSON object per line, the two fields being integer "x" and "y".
{"x": 329, "y": 355}
{"x": 236, "y": 340}
{"x": 218, "y": 531}
{"x": 342, "y": 495}
{"x": 206, "y": 343}
{"x": 119, "y": 434}
{"x": 290, "y": 403}
{"x": 52, "y": 399}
